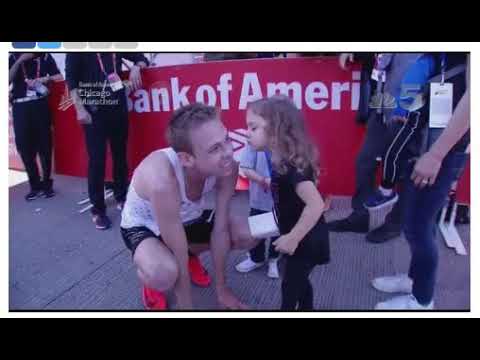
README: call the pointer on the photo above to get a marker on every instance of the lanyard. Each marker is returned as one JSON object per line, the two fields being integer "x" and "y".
{"x": 100, "y": 62}
{"x": 443, "y": 66}
{"x": 268, "y": 155}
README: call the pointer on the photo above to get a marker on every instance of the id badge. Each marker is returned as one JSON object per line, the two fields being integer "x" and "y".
{"x": 378, "y": 75}
{"x": 441, "y": 99}
{"x": 115, "y": 82}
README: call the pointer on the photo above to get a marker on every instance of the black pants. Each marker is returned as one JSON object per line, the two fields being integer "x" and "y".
{"x": 257, "y": 254}
{"x": 296, "y": 286}
{"x": 397, "y": 153}
{"x": 377, "y": 139}
{"x": 33, "y": 136}
{"x": 108, "y": 124}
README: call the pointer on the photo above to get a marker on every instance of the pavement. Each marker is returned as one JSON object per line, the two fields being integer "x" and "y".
{"x": 59, "y": 261}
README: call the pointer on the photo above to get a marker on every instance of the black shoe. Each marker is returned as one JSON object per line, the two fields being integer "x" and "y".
{"x": 102, "y": 222}
{"x": 34, "y": 194}
{"x": 47, "y": 186}
{"x": 463, "y": 216}
{"x": 383, "y": 233}
{"x": 353, "y": 223}
{"x": 48, "y": 193}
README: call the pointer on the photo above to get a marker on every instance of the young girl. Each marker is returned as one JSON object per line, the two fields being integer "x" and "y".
{"x": 275, "y": 124}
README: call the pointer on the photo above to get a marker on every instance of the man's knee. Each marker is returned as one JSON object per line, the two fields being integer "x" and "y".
{"x": 160, "y": 275}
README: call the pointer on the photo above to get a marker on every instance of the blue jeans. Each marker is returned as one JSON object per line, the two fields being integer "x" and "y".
{"x": 422, "y": 207}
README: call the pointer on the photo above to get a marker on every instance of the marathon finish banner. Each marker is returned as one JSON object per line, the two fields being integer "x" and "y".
{"x": 327, "y": 95}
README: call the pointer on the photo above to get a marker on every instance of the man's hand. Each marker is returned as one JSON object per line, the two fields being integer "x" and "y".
{"x": 399, "y": 119}
{"x": 184, "y": 297}
{"x": 266, "y": 184}
{"x": 83, "y": 116}
{"x": 426, "y": 170}
{"x": 228, "y": 301}
{"x": 286, "y": 244}
{"x": 30, "y": 83}
{"x": 135, "y": 78}
{"x": 344, "y": 60}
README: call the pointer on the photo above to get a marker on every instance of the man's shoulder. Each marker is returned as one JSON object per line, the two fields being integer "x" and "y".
{"x": 157, "y": 171}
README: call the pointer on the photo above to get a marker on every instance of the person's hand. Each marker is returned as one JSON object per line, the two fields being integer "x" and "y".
{"x": 30, "y": 83}
{"x": 227, "y": 300}
{"x": 135, "y": 78}
{"x": 184, "y": 300}
{"x": 400, "y": 119}
{"x": 83, "y": 116}
{"x": 44, "y": 79}
{"x": 26, "y": 57}
{"x": 426, "y": 170}
{"x": 286, "y": 244}
{"x": 344, "y": 60}
{"x": 266, "y": 184}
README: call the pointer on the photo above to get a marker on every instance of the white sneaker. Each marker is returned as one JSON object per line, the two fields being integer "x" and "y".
{"x": 273, "y": 269}
{"x": 404, "y": 302}
{"x": 393, "y": 284}
{"x": 248, "y": 265}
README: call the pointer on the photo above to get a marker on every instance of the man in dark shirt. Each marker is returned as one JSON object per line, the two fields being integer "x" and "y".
{"x": 101, "y": 104}
{"x": 29, "y": 73}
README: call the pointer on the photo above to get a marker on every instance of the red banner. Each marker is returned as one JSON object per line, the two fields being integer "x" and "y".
{"x": 327, "y": 95}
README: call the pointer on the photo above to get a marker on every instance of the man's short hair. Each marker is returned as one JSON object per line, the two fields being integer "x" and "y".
{"x": 187, "y": 119}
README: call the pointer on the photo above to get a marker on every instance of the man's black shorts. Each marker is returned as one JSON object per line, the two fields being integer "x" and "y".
{"x": 197, "y": 232}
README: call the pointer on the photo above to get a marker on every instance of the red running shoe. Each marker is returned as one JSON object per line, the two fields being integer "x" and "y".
{"x": 198, "y": 274}
{"x": 153, "y": 299}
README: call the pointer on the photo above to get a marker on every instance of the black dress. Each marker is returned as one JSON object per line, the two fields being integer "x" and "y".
{"x": 314, "y": 247}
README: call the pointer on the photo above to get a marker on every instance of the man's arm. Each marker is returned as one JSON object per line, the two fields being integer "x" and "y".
{"x": 140, "y": 62}
{"x": 137, "y": 58}
{"x": 52, "y": 70}
{"x": 73, "y": 74}
{"x": 15, "y": 64}
{"x": 164, "y": 196}
{"x": 220, "y": 240}
{"x": 428, "y": 166}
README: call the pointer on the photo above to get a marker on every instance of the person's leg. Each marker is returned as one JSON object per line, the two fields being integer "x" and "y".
{"x": 198, "y": 237}
{"x": 95, "y": 138}
{"x": 374, "y": 145}
{"x": 375, "y": 142}
{"x": 391, "y": 162}
{"x": 44, "y": 132}
{"x": 156, "y": 265}
{"x": 24, "y": 141}
{"x": 257, "y": 254}
{"x": 395, "y": 164}
{"x": 272, "y": 253}
{"x": 422, "y": 208}
{"x": 241, "y": 238}
{"x": 296, "y": 286}
{"x": 118, "y": 136}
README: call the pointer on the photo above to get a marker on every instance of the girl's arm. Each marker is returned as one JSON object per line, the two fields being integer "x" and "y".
{"x": 254, "y": 176}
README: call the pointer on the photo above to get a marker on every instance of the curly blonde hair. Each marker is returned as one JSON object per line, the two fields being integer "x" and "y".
{"x": 286, "y": 126}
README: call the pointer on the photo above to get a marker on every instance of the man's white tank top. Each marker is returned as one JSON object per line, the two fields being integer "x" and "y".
{"x": 139, "y": 212}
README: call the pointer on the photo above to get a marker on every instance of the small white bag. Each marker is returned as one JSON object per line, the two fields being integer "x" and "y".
{"x": 263, "y": 226}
